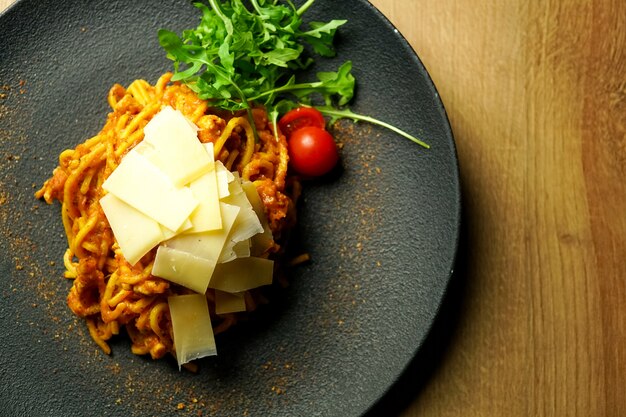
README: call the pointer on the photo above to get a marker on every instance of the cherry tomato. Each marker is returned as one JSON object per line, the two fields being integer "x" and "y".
{"x": 312, "y": 151}
{"x": 300, "y": 117}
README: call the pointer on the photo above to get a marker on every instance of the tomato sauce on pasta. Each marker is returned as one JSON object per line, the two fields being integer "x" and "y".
{"x": 108, "y": 292}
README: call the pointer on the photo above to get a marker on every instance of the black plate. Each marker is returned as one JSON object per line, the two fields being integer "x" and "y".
{"x": 382, "y": 232}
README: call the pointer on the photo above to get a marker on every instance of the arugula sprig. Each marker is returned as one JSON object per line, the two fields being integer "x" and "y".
{"x": 345, "y": 113}
{"x": 243, "y": 54}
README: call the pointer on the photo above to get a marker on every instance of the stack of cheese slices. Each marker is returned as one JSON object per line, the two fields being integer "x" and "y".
{"x": 208, "y": 225}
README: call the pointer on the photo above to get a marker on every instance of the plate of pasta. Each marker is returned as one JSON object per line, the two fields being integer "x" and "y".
{"x": 233, "y": 271}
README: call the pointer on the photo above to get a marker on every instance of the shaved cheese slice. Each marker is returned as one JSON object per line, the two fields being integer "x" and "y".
{"x": 247, "y": 223}
{"x": 224, "y": 177}
{"x": 191, "y": 325}
{"x": 229, "y": 303}
{"x": 234, "y": 250}
{"x": 207, "y": 245}
{"x": 183, "y": 268}
{"x": 254, "y": 198}
{"x": 242, "y": 274}
{"x": 209, "y": 148}
{"x": 236, "y": 196}
{"x": 143, "y": 186}
{"x": 176, "y": 149}
{"x": 261, "y": 242}
{"x": 230, "y": 176}
{"x": 207, "y": 215}
{"x": 242, "y": 249}
{"x": 135, "y": 232}
{"x": 234, "y": 186}
{"x": 246, "y": 226}
{"x": 168, "y": 234}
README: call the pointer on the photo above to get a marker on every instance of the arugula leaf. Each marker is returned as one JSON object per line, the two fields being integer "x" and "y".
{"x": 244, "y": 53}
{"x": 330, "y": 85}
{"x": 238, "y": 51}
{"x": 321, "y": 36}
{"x": 345, "y": 113}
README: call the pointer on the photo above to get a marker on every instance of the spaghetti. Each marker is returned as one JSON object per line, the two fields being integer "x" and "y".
{"x": 107, "y": 291}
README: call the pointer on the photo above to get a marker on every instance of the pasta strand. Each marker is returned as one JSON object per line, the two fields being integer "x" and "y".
{"x": 109, "y": 292}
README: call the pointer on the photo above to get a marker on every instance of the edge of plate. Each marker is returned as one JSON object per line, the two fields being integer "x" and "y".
{"x": 458, "y": 203}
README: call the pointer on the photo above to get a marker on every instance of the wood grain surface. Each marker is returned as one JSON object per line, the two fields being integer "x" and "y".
{"x": 535, "y": 323}
{"x": 536, "y": 94}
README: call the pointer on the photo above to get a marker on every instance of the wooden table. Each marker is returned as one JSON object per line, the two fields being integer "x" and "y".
{"x": 536, "y": 94}
{"x": 535, "y": 322}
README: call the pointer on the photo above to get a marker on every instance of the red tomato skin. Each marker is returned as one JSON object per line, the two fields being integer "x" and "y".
{"x": 300, "y": 117}
{"x": 312, "y": 151}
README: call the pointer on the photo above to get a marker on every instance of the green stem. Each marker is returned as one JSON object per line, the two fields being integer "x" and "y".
{"x": 228, "y": 24}
{"x": 246, "y": 104}
{"x": 292, "y": 87}
{"x": 350, "y": 115}
{"x": 252, "y": 124}
{"x": 244, "y": 100}
{"x": 256, "y": 7}
{"x": 273, "y": 113}
{"x": 304, "y": 7}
